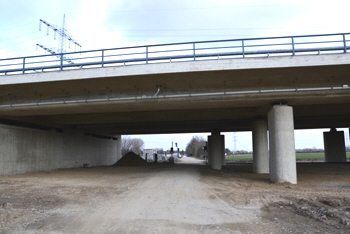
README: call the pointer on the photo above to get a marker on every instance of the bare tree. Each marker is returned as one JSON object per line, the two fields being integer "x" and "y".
{"x": 132, "y": 145}
{"x": 228, "y": 151}
{"x": 195, "y": 146}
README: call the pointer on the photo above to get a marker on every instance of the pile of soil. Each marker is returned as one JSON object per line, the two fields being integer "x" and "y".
{"x": 131, "y": 159}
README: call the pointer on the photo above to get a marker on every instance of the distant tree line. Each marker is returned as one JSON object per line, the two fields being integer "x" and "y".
{"x": 309, "y": 150}
{"x": 242, "y": 152}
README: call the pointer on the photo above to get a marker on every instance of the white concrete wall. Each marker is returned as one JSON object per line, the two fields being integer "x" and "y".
{"x": 25, "y": 150}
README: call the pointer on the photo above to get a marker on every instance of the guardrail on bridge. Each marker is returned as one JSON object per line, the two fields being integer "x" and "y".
{"x": 175, "y": 52}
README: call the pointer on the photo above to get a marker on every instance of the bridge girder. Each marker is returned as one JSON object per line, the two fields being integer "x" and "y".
{"x": 92, "y": 99}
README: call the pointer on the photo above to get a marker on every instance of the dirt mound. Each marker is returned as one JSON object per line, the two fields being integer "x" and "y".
{"x": 131, "y": 159}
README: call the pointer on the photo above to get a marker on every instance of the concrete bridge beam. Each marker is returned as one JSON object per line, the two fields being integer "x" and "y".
{"x": 334, "y": 146}
{"x": 282, "y": 145}
{"x": 260, "y": 147}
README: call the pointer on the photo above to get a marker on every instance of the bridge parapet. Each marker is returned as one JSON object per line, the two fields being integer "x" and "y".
{"x": 180, "y": 52}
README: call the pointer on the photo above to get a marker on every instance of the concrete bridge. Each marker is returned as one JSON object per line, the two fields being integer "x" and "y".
{"x": 56, "y": 115}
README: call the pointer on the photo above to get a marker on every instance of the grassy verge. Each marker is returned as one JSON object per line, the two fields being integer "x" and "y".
{"x": 300, "y": 156}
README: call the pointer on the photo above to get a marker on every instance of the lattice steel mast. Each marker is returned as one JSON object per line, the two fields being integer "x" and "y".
{"x": 63, "y": 37}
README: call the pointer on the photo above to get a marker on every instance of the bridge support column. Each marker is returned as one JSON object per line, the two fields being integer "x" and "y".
{"x": 282, "y": 145}
{"x": 223, "y": 155}
{"x": 334, "y": 146}
{"x": 119, "y": 147}
{"x": 216, "y": 152}
{"x": 260, "y": 147}
{"x": 210, "y": 155}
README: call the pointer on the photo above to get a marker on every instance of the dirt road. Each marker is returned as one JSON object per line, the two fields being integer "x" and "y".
{"x": 175, "y": 199}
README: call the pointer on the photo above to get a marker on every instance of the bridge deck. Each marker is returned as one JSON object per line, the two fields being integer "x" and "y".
{"x": 195, "y": 96}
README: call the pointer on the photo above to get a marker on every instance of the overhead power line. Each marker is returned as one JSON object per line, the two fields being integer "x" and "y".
{"x": 53, "y": 52}
{"x": 63, "y": 37}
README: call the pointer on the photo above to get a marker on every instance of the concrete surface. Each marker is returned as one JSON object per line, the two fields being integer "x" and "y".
{"x": 27, "y": 150}
{"x": 282, "y": 145}
{"x": 173, "y": 68}
{"x": 334, "y": 146}
{"x": 260, "y": 147}
{"x": 148, "y": 111}
{"x": 146, "y": 114}
{"x": 210, "y": 155}
{"x": 223, "y": 155}
{"x": 216, "y": 150}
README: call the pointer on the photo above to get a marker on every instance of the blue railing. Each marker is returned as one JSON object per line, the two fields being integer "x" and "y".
{"x": 175, "y": 52}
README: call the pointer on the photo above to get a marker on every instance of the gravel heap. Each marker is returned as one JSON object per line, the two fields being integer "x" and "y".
{"x": 131, "y": 159}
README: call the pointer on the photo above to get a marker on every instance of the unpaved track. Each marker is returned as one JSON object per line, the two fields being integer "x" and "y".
{"x": 174, "y": 199}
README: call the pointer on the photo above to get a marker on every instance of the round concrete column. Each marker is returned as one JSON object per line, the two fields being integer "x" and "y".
{"x": 282, "y": 145}
{"x": 260, "y": 147}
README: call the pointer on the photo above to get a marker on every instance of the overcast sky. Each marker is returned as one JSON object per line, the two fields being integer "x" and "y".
{"x": 117, "y": 23}
{"x": 97, "y": 24}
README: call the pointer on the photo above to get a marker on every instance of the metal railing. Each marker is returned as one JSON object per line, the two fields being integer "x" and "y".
{"x": 175, "y": 52}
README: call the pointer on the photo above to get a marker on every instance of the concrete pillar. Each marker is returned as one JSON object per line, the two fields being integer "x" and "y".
{"x": 282, "y": 145}
{"x": 260, "y": 147}
{"x": 223, "y": 156}
{"x": 215, "y": 149}
{"x": 334, "y": 146}
{"x": 210, "y": 154}
{"x": 119, "y": 147}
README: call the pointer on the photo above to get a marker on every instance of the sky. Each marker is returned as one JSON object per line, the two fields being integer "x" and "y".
{"x": 99, "y": 24}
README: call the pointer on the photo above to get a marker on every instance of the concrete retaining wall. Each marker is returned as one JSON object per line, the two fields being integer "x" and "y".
{"x": 25, "y": 150}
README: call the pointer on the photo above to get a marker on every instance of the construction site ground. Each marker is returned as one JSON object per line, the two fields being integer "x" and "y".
{"x": 188, "y": 197}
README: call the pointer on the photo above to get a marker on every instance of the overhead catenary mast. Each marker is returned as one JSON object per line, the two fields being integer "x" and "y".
{"x": 235, "y": 142}
{"x": 64, "y": 36}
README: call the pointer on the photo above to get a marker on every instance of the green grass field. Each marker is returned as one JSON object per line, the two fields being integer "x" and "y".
{"x": 300, "y": 156}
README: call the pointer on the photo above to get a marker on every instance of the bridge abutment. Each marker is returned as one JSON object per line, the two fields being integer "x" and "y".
{"x": 334, "y": 146}
{"x": 282, "y": 145}
{"x": 260, "y": 147}
{"x": 26, "y": 150}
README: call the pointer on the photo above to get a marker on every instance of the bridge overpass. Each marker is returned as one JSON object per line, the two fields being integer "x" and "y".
{"x": 282, "y": 83}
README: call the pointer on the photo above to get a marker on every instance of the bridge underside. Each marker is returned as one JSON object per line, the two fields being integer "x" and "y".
{"x": 181, "y": 97}
{"x": 90, "y": 108}
{"x": 197, "y": 118}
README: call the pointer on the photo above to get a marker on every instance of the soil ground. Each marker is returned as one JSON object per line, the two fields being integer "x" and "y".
{"x": 176, "y": 198}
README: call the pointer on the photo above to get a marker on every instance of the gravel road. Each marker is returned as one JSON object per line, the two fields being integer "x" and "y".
{"x": 180, "y": 198}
